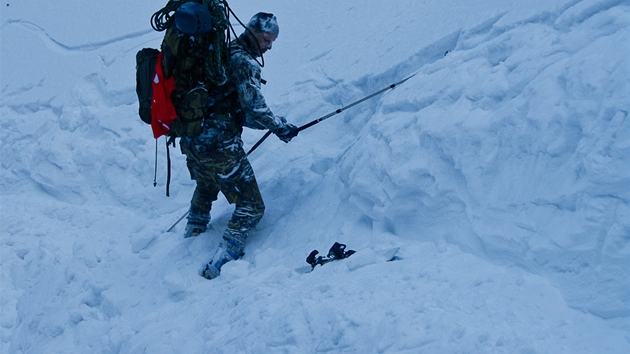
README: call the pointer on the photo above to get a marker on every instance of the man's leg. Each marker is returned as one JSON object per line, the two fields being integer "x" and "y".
{"x": 200, "y": 206}
{"x": 242, "y": 190}
{"x": 206, "y": 191}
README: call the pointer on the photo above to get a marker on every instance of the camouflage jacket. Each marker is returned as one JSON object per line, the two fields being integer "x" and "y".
{"x": 242, "y": 105}
{"x": 245, "y": 74}
{"x": 244, "y": 100}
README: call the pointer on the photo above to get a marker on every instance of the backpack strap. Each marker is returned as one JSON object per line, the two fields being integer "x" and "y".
{"x": 168, "y": 166}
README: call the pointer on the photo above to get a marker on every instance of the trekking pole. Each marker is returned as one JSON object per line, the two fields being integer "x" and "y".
{"x": 177, "y": 222}
{"x": 313, "y": 122}
{"x": 259, "y": 142}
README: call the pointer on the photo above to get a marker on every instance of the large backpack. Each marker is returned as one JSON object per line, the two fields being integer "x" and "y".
{"x": 169, "y": 95}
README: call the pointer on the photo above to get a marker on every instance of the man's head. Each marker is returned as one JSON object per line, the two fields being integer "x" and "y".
{"x": 264, "y": 27}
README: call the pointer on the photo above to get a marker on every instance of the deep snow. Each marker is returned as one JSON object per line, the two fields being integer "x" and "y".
{"x": 501, "y": 170}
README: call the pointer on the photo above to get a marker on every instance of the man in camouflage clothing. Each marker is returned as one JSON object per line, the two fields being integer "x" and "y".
{"x": 216, "y": 159}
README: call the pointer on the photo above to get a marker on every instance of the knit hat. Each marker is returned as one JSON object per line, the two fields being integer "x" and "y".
{"x": 264, "y": 22}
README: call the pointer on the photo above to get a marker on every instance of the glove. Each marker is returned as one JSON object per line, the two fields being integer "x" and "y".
{"x": 286, "y": 132}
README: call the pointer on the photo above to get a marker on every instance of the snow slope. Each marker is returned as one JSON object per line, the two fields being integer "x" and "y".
{"x": 501, "y": 169}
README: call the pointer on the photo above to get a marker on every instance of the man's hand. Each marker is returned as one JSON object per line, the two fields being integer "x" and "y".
{"x": 287, "y": 132}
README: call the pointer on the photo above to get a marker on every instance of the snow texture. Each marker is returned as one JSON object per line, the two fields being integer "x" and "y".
{"x": 501, "y": 170}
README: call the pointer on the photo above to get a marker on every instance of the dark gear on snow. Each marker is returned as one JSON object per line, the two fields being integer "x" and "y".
{"x": 336, "y": 252}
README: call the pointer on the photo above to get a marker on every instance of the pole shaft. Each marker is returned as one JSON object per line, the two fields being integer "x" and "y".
{"x": 177, "y": 222}
{"x": 313, "y": 122}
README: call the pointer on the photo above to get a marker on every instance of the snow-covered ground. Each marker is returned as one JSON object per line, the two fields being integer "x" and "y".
{"x": 501, "y": 170}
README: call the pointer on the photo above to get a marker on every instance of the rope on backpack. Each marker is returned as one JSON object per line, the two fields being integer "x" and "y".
{"x": 219, "y": 53}
{"x": 163, "y": 18}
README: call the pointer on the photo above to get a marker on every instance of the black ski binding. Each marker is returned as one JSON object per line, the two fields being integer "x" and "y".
{"x": 337, "y": 251}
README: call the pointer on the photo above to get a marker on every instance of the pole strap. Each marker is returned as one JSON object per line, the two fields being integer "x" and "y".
{"x": 155, "y": 164}
{"x": 168, "y": 169}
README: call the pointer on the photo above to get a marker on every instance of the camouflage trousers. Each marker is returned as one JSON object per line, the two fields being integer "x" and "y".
{"x": 222, "y": 166}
